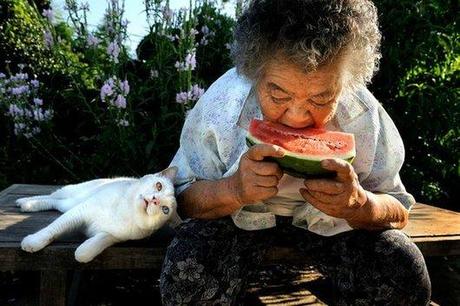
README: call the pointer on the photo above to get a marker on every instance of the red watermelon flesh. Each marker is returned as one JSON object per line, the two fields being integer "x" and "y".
{"x": 305, "y": 148}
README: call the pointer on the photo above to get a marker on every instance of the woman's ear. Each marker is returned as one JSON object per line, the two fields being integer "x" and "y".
{"x": 170, "y": 173}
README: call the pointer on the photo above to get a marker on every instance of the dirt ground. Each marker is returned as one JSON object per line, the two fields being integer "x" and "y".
{"x": 274, "y": 285}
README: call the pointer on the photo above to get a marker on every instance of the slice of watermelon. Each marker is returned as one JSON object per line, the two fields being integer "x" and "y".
{"x": 305, "y": 148}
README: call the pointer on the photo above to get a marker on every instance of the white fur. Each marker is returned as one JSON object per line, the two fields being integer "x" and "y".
{"x": 106, "y": 210}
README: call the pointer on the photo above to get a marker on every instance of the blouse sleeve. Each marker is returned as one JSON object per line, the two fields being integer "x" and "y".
{"x": 197, "y": 157}
{"x": 388, "y": 159}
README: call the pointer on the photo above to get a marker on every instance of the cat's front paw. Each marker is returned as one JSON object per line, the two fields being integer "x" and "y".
{"x": 83, "y": 256}
{"x": 21, "y": 201}
{"x": 34, "y": 243}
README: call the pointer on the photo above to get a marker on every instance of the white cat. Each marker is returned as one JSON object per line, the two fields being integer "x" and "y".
{"x": 106, "y": 210}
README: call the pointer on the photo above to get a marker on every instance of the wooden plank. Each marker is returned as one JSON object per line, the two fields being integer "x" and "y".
{"x": 32, "y": 189}
{"x": 435, "y": 230}
{"x": 61, "y": 256}
{"x": 430, "y": 221}
{"x": 7, "y": 190}
{"x": 53, "y": 287}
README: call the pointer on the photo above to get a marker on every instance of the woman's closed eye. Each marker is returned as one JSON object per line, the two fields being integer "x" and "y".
{"x": 320, "y": 103}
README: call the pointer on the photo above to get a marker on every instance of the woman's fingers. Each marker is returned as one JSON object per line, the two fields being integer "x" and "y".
{"x": 266, "y": 181}
{"x": 325, "y": 186}
{"x": 345, "y": 171}
{"x": 265, "y": 192}
{"x": 266, "y": 169}
{"x": 260, "y": 151}
{"x": 330, "y": 199}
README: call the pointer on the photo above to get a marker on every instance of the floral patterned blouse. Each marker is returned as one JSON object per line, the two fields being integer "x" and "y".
{"x": 213, "y": 141}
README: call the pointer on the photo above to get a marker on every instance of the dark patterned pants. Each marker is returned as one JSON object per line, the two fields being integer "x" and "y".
{"x": 208, "y": 263}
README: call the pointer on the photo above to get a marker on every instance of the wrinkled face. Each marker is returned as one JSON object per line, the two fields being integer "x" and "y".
{"x": 289, "y": 96}
{"x": 156, "y": 199}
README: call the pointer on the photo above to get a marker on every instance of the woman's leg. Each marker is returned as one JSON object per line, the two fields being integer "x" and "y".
{"x": 208, "y": 262}
{"x": 371, "y": 267}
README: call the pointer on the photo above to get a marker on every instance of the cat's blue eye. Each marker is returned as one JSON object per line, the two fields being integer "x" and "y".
{"x": 165, "y": 209}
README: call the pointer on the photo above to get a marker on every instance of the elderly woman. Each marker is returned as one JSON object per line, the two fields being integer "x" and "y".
{"x": 301, "y": 63}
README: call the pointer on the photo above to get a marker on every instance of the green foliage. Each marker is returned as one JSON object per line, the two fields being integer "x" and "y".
{"x": 418, "y": 84}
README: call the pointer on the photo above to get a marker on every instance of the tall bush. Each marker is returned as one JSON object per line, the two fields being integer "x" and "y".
{"x": 418, "y": 84}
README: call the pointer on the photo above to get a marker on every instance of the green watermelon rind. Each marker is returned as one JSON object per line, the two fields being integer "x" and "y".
{"x": 299, "y": 166}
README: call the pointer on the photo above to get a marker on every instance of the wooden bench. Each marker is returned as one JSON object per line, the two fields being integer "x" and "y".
{"x": 435, "y": 231}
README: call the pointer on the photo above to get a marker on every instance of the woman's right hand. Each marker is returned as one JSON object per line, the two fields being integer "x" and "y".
{"x": 257, "y": 180}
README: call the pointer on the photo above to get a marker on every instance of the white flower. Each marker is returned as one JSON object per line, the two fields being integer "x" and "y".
{"x": 154, "y": 74}
{"x": 123, "y": 122}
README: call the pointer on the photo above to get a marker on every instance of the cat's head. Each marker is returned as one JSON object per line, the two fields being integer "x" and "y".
{"x": 156, "y": 202}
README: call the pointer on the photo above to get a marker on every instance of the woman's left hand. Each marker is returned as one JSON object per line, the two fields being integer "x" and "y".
{"x": 340, "y": 197}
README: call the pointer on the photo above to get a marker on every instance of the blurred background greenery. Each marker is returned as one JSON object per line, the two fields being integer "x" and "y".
{"x": 417, "y": 84}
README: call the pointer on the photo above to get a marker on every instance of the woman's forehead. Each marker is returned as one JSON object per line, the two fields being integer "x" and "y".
{"x": 295, "y": 81}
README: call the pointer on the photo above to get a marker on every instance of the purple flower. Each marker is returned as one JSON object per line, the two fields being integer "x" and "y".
{"x": 197, "y": 92}
{"x": 20, "y": 76}
{"x": 113, "y": 50}
{"x": 120, "y": 102}
{"x": 204, "y": 41}
{"x": 124, "y": 86}
{"x": 38, "y": 101}
{"x": 38, "y": 115}
{"x": 183, "y": 97}
{"x": 92, "y": 41}
{"x": 48, "y": 14}
{"x": 205, "y": 30}
{"x": 190, "y": 60}
{"x": 106, "y": 90}
{"x": 2, "y": 75}
{"x": 48, "y": 114}
{"x": 48, "y": 39}
{"x": 17, "y": 91}
{"x": 35, "y": 83}
{"x": 15, "y": 111}
{"x": 168, "y": 13}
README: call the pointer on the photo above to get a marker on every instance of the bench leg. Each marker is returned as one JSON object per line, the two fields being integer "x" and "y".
{"x": 53, "y": 287}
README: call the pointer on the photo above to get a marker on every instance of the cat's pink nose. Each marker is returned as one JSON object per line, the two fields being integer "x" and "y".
{"x": 155, "y": 201}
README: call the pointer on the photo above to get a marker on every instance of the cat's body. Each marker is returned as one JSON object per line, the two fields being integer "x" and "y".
{"x": 106, "y": 210}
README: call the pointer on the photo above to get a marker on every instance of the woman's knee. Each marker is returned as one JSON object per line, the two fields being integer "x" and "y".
{"x": 404, "y": 267}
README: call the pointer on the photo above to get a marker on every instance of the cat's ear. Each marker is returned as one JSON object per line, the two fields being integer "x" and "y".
{"x": 170, "y": 172}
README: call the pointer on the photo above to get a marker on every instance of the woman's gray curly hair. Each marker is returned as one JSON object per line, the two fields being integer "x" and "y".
{"x": 309, "y": 33}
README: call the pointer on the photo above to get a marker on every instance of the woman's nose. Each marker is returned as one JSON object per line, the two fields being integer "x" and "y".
{"x": 298, "y": 117}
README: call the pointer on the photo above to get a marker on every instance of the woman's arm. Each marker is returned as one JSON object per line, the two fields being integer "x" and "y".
{"x": 254, "y": 181}
{"x": 344, "y": 197}
{"x": 381, "y": 211}
{"x": 208, "y": 200}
